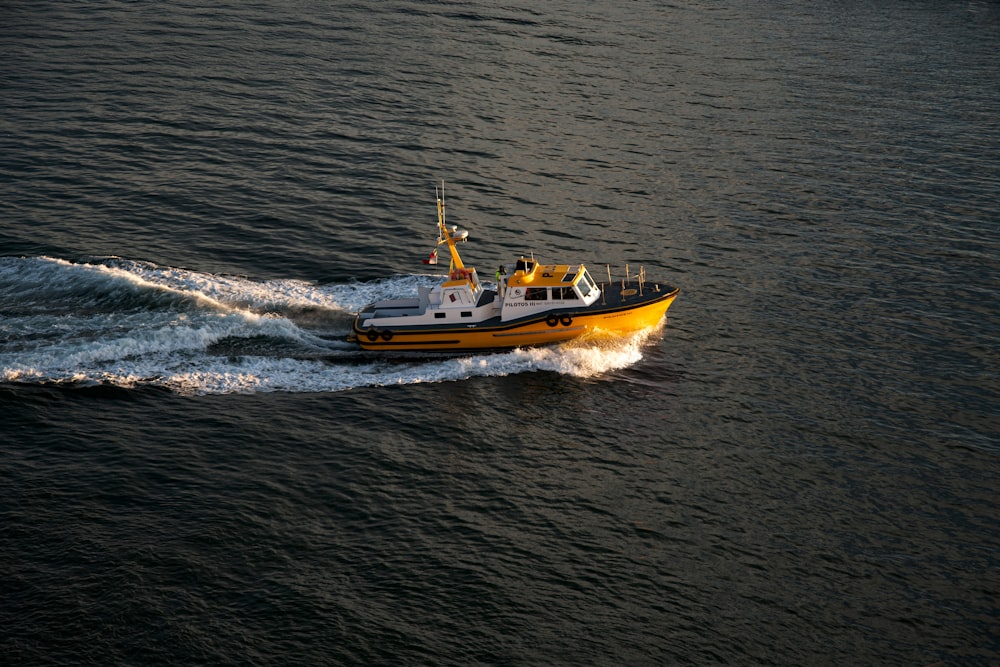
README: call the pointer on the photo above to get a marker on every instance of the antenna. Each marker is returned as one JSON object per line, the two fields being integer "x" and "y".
{"x": 444, "y": 216}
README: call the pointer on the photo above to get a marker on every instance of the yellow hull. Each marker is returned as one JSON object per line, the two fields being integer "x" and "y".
{"x": 618, "y": 320}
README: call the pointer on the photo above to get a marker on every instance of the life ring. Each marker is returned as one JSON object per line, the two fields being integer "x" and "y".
{"x": 566, "y": 320}
{"x": 372, "y": 335}
{"x": 552, "y": 320}
{"x": 387, "y": 335}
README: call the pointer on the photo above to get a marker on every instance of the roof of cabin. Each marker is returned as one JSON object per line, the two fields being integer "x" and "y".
{"x": 547, "y": 275}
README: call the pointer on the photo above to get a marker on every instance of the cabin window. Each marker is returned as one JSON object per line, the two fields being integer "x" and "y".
{"x": 563, "y": 293}
{"x": 586, "y": 285}
{"x": 466, "y": 313}
{"x": 439, "y": 316}
{"x": 536, "y": 294}
{"x": 525, "y": 265}
{"x": 570, "y": 275}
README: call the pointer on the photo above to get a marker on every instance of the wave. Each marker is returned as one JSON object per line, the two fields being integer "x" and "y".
{"x": 127, "y": 323}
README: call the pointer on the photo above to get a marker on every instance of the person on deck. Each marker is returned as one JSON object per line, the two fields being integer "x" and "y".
{"x": 501, "y": 274}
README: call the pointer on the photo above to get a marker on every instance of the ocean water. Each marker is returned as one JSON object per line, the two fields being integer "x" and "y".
{"x": 798, "y": 466}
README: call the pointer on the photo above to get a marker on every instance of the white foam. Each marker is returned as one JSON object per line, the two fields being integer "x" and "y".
{"x": 199, "y": 333}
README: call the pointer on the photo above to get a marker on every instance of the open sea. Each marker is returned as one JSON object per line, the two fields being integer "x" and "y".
{"x": 800, "y": 466}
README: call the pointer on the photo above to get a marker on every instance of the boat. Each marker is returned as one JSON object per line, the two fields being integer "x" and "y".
{"x": 530, "y": 304}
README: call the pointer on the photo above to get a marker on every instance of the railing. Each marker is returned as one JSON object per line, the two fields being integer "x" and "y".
{"x": 626, "y": 283}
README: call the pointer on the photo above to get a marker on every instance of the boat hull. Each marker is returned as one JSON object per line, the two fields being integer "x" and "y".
{"x": 617, "y": 315}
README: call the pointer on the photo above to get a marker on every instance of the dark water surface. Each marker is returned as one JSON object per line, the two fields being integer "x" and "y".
{"x": 800, "y": 467}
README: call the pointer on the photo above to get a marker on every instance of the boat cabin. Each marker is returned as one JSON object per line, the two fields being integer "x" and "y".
{"x": 533, "y": 288}
{"x": 461, "y": 289}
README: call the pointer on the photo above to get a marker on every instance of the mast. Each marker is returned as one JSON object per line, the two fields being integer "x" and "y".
{"x": 449, "y": 236}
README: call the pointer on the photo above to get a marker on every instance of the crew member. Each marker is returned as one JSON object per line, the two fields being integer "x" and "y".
{"x": 501, "y": 280}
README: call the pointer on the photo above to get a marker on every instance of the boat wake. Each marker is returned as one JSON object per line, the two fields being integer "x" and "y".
{"x": 112, "y": 321}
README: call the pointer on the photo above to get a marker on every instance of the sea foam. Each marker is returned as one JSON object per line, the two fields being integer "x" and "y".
{"x": 130, "y": 324}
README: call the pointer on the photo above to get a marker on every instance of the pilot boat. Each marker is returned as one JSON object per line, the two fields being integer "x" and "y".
{"x": 531, "y": 304}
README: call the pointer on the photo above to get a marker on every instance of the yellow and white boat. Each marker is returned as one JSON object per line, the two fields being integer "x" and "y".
{"x": 532, "y": 304}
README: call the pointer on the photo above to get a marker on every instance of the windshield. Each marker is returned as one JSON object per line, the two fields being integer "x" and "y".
{"x": 586, "y": 285}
